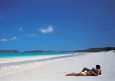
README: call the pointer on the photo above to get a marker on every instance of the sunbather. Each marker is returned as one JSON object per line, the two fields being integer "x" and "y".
{"x": 87, "y": 72}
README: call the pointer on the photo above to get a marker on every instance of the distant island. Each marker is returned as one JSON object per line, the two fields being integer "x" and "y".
{"x": 96, "y": 49}
{"x": 85, "y": 50}
{"x": 9, "y": 51}
{"x": 33, "y": 51}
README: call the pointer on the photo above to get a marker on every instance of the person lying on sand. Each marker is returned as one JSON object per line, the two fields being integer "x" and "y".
{"x": 87, "y": 72}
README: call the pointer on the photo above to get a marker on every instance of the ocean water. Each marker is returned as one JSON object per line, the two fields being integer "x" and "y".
{"x": 6, "y": 55}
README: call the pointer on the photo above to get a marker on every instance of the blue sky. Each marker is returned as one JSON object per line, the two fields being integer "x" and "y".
{"x": 56, "y": 24}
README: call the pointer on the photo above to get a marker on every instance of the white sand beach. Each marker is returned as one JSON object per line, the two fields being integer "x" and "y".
{"x": 56, "y": 69}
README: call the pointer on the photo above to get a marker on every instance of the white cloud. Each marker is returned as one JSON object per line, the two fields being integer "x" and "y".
{"x": 20, "y": 29}
{"x": 10, "y": 39}
{"x": 32, "y": 35}
{"x": 3, "y": 40}
{"x": 13, "y": 38}
{"x": 48, "y": 29}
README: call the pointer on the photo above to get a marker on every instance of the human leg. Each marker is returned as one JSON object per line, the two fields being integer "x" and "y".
{"x": 77, "y": 74}
{"x": 72, "y": 74}
{"x": 86, "y": 69}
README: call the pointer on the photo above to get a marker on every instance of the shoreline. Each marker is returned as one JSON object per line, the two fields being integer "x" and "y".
{"x": 23, "y": 58}
{"x": 37, "y": 59}
{"x": 10, "y": 65}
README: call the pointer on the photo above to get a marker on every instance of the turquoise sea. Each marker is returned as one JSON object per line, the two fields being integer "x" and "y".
{"x": 10, "y": 55}
{"x": 6, "y": 55}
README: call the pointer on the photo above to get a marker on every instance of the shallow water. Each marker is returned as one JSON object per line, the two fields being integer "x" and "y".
{"x": 6, "y": 55}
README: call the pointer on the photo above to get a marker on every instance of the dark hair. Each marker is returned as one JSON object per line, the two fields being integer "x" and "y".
{"x": 98, "y": 66}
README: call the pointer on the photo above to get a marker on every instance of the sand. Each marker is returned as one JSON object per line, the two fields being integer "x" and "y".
{"x": 55, "y": 70}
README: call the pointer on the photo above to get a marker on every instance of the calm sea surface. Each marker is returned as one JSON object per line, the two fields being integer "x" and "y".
{"x": 3, "y": 55}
